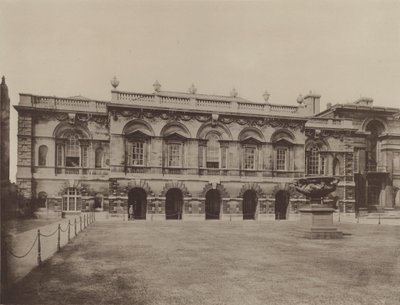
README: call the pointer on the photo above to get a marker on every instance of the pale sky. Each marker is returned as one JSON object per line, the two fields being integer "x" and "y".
{"x": 339, "y": 49}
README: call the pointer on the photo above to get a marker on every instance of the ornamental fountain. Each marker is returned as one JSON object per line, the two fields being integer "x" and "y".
{"x": 316, "y": 220}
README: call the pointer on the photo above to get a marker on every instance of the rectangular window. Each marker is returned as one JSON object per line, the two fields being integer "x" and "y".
{"x": 84, "y": 156}
{"x": 60, "y": 155}
{"x": 224, "y": 162}
{"x": 249, "y": 158}
{"x": 174, "y": 155}
{"x": 72, "y": 200}
{"x": 201, "y": 156}
{"x": 322, "y": 166}
{"x": 281, "y": 159}
{"x": 137, "y": 153}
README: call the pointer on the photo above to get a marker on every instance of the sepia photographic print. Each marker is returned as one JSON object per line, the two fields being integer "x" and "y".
{"x": 200, "y": 152}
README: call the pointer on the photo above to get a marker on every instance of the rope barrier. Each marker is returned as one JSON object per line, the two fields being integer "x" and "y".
{"x": 66, "y": 228}
{"x": 22, "y": 256}
{"x": 49, "y": 235}
{"x": 39, "y": 234}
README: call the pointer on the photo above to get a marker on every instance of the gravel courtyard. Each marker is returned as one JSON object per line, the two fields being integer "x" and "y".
{"x": 211, "y": 262}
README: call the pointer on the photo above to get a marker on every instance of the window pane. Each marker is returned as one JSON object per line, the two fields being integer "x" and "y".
{"x": 281, "y": 159}
{"x": 201, "y": 157}
{"x": 313, "y": 161}
{"x": 224, "y": 151}
{"x": 60, "y": 149}
{"x": 72, "y": 200}
{"x": 137, "y": 152}
{"x": 249, "y": 157}
{"x": 213, "y": 151}
{"x": 72, "y": 149}
{"x": 84, "y": 156}
{"x": 174, "y": 155}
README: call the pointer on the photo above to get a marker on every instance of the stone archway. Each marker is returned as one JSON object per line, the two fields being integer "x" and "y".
{"x": 173, "y": 204}
{"x": 250, "y": 201}
{"x": 281, "y": 204}
{"x": 137, "y": 197}
{"x": 213, "y": 204}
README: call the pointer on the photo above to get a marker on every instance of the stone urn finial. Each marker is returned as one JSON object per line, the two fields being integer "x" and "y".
{"x": 157, "y": 86}
{"x": 114, "y": 82}
{"x": 234, "y": 93}
{"x": 266, "y": 96}
{"x": 300, "y": 99}
{"x": 192, "y": 89}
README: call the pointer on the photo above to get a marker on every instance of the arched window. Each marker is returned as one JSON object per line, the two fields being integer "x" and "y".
{"x": 42, "y": 155}
{"x": 98, "y": 158}
{"x": 213, "y": 151}
{"x": 336, "y": 167}
{"x": 72, "y": 200}
{"x": 71, "y": 153}
{"x": 314, "y": 161}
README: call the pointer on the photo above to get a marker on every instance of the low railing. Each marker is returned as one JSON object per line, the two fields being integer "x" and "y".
{"x": 228, "y": 104}
{"x": 68, "y": 104}
{"x": 283, "y": 108}
{"x": 81, "y": 171}
{"x": 211, "y": 103}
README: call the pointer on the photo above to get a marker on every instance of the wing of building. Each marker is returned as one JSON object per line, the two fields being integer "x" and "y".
{"x": 183, "y": 155}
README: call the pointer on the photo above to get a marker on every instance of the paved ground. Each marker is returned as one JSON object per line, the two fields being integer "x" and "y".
{"x": 211, "y": 262}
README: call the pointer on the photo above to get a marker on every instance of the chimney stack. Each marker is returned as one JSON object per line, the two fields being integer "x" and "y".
{"x": 311, "y": 102}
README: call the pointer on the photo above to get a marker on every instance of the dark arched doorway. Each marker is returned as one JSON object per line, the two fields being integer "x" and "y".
{"x": 213, "y": 204}
{"x": 174, "y": 204}
{"x": 138, "y": 198}
{"x": 249, "y": 204}
{"x": 281, "y": 204}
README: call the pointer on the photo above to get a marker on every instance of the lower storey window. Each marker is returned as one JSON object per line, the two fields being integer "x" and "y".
{"x": 72, "y": 200}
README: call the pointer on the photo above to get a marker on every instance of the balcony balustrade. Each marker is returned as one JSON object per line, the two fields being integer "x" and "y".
{"x": 81, "y": 171}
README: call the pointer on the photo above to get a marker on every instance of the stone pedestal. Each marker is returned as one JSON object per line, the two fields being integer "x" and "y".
{"x": 316, "y": 222}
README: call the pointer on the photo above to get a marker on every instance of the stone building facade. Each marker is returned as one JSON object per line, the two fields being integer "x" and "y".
{"x": 176, "y": 155}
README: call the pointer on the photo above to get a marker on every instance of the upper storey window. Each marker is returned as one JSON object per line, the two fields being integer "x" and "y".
{"x": 251, "y": 141}
{"x": 283, "y": 141}
{"x": 213, "y": 151}
{"x": 72, "y": 152}
{"x": 250, "y": 158}
{"x": 42, "y": 155}
{"x": 175, "y": 136}
{"x": 174, "y": 154}
{"x": 315, "y": 161}
{"x": 281, "y": 155}
{"x": 138, "y": 136}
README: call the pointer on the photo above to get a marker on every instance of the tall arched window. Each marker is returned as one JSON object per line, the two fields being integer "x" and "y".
{"x": 213, "y": 151}
{"x": 42, "y": 155}
{"x": 71, "y": 153}
{"x": 98, "y": 158}
{"x": 336, "y": 167}
{"x": 314, "y": 161}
